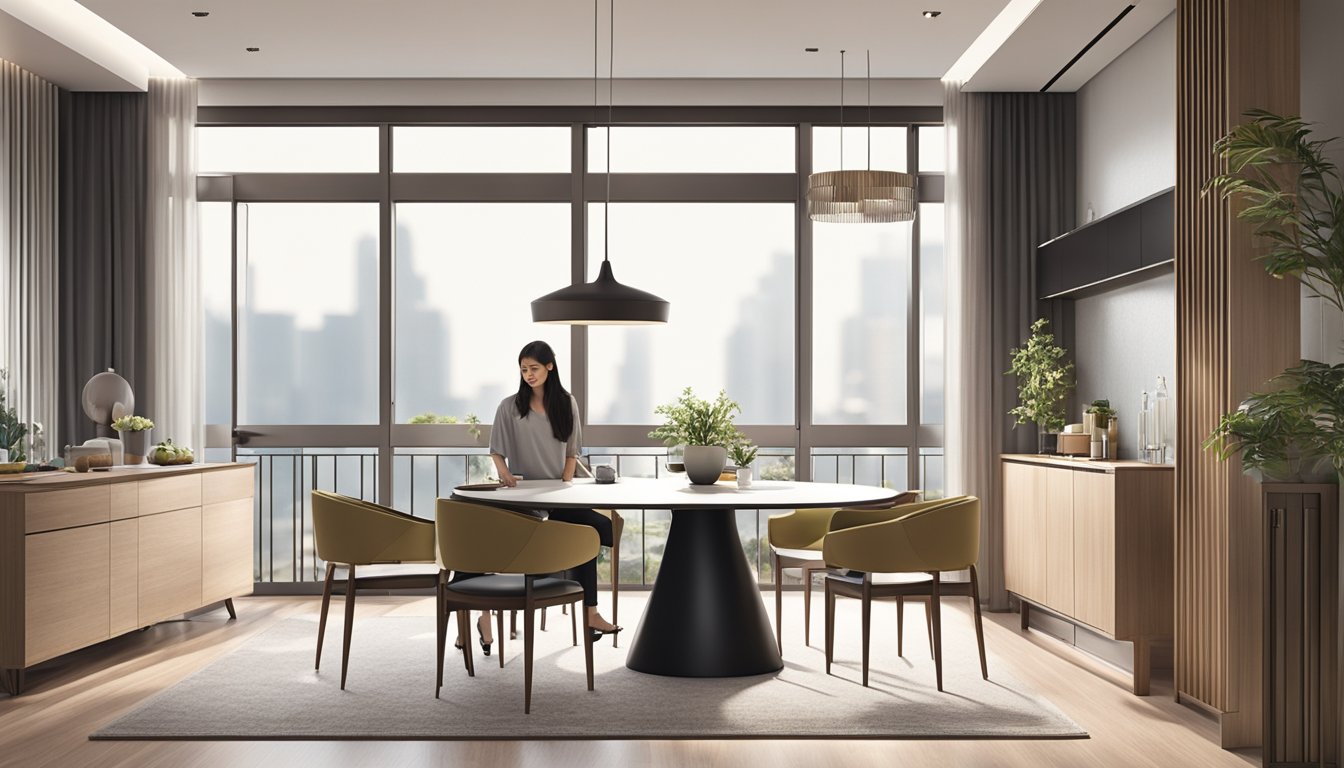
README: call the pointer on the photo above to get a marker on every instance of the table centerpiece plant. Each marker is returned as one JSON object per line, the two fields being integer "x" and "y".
{"x": 743, "y": 454}
{"x": 1044, "y": 382}
{"x": 134, "y": 432}
{"x": 705, "y": 428}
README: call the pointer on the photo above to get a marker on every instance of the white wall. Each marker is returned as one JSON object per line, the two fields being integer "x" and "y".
{"x": 1127, "y": 126}
{"x": 1323, "y": 104}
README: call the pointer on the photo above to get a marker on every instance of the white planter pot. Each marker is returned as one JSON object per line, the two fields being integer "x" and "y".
{"x": 704, "y": 463}
{"x": 744, "y": 477}
{"x": 135, "y": 446}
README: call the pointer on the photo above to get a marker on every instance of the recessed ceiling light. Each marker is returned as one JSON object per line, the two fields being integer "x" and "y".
{"x": 253, "y": 50}
{"x": 932, "y": 14}
{"x": 200, "y": 14}
{"x": 811, "y": 50}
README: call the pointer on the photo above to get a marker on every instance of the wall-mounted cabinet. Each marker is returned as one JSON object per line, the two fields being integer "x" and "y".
{"x": 1126, "y": 245}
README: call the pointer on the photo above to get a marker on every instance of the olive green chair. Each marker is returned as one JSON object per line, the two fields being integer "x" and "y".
{"x": 938, "y": 536}
{"x": 354, "y": 533}
{"x": 795, "y": 542}
{"x": 518, "y": 551}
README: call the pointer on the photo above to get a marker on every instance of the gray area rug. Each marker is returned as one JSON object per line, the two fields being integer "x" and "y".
{"x": 267, "y": 689}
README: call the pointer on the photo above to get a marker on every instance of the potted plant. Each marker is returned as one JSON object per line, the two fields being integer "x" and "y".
{"x": 12, "y": 430}
{"x": 1295, "y": 199}
{"x": 1044, "y": 382}
{"x": 134, "y": 432}
{"x": 705, "y": 428}
{"x": 743, "y": 454}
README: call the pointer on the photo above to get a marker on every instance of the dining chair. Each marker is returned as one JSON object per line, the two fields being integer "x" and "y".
{"x": 519, "y": 551}
{"x": 354, "y": 534}
{"x": 940, "y": 536}
{"x": 795, "y": 542}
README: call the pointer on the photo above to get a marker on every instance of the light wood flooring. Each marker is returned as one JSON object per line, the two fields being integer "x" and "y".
{"x": 72, "y": 696}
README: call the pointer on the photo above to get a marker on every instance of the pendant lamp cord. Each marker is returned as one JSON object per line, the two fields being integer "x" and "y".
{"x": 611, "y": 77}
{"x": 869, "y": 54}
{"x": 842, "y": 109}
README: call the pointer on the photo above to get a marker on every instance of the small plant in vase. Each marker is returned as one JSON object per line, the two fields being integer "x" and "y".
{"x": 743, "y": 454}
{"x": 1044, "y": 382}
{"x": 134, "y": 432}
{"x": 705, "y": 428}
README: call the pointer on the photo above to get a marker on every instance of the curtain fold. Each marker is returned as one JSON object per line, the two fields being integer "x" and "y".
{"x": 28, "y": 226}
{"x": 174, "y": 315}
{"x": 103, "y": 301}
{"x": 1011, "y": 176}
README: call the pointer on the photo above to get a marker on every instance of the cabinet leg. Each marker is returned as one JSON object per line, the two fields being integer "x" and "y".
{"x": 228, "y": 606}
{"x": 1024, "y": 608}
{"x": 1143, "y": 662}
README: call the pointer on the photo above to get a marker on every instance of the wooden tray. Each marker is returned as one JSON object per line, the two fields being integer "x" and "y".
{"x": 479, "y": 487}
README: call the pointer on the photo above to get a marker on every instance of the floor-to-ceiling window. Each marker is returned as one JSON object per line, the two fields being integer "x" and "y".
{"x": 369, "y": 276}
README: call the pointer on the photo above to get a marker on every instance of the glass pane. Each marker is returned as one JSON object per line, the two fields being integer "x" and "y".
{"x": 480, "y": 149}
{"x": 323, "y": 149}
{"x": 932, "y": 305}
{"x": 931, "y": 473}
{"x": 466, "y": 276}
{"x": 883, "y": 467}
{"x": 215, "y": 234}
{"x": 728, "y": 272}
{"x": 860, "y": 320}
{"x": 308, "y": 317}
{"x": 421, "y": 475}
{"x": 932, "y": 149}
{"x": 682, "y": 149}
{"x": 888, "y": 148}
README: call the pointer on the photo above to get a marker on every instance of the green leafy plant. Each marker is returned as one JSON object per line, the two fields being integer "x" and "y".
{"x": 1294, "y": 198}
{"x": 743, "y": 453}
{"x": 132, "y": 424}
{"x": 1044, "y": 380}
{"x": 1299, "y": 418}
{"x": 691, "y": 420}
{"x": 1101, "y": 408}
{"x": 472, "y": 420}
{"x": 13, "y": 431}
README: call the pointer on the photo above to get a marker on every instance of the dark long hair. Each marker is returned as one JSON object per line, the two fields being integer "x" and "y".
{"x": 555, "y": 398}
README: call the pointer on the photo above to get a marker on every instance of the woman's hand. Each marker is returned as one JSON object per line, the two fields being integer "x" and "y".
{"x": 506, "y": 477}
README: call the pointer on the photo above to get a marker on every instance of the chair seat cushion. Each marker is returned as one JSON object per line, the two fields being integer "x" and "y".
{"x": 797, "y": 554}
{"x": 856, "y": 577}
{"x": 512, "y": 585}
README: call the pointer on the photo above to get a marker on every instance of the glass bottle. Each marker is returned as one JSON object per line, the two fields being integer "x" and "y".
{"x": 1145, "y": 416}
{"x": 1162, "y": 421}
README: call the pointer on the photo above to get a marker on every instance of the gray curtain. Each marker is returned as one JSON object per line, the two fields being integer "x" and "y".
{"x": 103, "y": 200}
{"x": 1011, "y": 179}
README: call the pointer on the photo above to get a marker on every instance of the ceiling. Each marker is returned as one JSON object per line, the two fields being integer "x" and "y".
{"x": 553, "y": 39}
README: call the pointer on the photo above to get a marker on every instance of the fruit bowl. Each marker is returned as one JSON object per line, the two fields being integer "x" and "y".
{"x": 171, "y": 462}
{"x": 12, "y": 467}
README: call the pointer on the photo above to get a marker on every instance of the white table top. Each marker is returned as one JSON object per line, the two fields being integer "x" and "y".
{"x": 677, "y": 493}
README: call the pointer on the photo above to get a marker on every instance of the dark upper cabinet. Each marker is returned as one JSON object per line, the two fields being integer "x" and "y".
{"x": 1122, "y": 243}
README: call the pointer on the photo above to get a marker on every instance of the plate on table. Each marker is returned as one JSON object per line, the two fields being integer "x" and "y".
{"x": 479, "y": 487}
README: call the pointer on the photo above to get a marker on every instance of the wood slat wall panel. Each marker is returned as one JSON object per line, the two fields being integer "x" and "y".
{"x": 1235, "y": 328}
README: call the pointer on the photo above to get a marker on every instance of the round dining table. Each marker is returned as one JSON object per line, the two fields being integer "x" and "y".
{"x": 705, "y": 617}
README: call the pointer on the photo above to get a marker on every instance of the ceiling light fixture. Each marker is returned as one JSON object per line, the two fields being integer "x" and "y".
{"x": 200, "y": 14}
{"x": 860, "y": 197}
{"x": 253, "y": 50}
{"x": 932, "y": 14}
{"x": 603, "y": 301}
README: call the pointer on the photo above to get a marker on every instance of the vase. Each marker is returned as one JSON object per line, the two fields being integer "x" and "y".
{"x": 135, "y": 446}
{"x": 744, "y": 477}
{"x": 704, "y": 463}
{"x": 1048, "y": 443}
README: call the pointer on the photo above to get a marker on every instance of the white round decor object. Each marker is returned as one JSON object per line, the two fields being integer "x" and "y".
{"x": 107, "y": 396}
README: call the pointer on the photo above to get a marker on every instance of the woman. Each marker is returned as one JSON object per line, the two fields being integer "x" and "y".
{"x": 535, "y": 435}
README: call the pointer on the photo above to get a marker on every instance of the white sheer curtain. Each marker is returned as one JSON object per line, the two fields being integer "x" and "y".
{"x": 175, "y": 327}
{"x": 974, "y": 430}
{"x": 29, "y": 310}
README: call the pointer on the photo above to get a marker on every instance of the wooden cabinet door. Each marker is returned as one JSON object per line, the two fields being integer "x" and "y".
{"x": 1094, "y": 549}
{"x": 1056, "y": 537}
{"x": 227, "y": 549}
{"x": 125, "y": 586}
{"x": 1024, "y": 499}
{"x": 170, "y": 564}
{"x": 66, "y": 600}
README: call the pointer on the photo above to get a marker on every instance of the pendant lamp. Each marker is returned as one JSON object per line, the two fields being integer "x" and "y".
{"x": 604, "y": 301}
{"x": 860, "y": 197}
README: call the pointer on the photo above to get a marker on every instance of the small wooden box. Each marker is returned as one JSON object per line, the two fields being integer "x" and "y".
{"x": 1074, "y": 444}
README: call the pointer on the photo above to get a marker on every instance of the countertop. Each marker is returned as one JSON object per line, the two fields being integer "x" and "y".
{"x": 60, "y": 480}
{"x": 1084, "y": 463}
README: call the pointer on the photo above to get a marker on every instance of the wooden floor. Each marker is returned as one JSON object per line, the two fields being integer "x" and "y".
{"x": 72, "y": 696}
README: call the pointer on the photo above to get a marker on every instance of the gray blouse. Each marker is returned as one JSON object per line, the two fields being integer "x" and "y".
{"x": 527, "y": 444}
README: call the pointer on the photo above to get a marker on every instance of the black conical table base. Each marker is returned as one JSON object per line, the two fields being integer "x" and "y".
{"x": 705, "y": 617}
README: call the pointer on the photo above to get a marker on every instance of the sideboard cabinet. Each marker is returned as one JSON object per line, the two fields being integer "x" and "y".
{"x": 87, "y": 557}
{"x": 1092, "y": 541}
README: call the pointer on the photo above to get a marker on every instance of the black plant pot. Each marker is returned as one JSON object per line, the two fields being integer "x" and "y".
{"x": 1048, "y": 443}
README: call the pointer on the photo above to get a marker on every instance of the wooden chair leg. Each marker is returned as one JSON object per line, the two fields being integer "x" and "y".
{"x": 979, "y": 630}
{"x": 513, "y": 625}
{"x": 867, "y": 617}
{"x": 935, "y": 605}
{"x": 349, "y": 623}
{"x": 322, "y": 617}
{"x": 441, "y": 637}
{"x": 928, "y": 623}
{"x": 900, "y": 625}
{"x": 499, "y": 636}
{"x": 830, "y": 625}
{"x": 807, "y": 606}
{"x": 779, "y": 602}
{"x": 588, "y": 648}
{"x": 574, "y": 623}
{"x": 543, "y": 619}
{"x": 615, "y": 586}
{"x": 528, "y": 637}
{"x": 464, "y": 631}
{"x": 228, "y": 606}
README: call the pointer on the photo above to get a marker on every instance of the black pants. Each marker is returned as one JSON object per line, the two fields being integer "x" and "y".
{"x": 585, "y": 574}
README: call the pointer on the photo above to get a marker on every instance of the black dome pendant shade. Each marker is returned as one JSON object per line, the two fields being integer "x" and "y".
{"x": 601, "y": 302}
